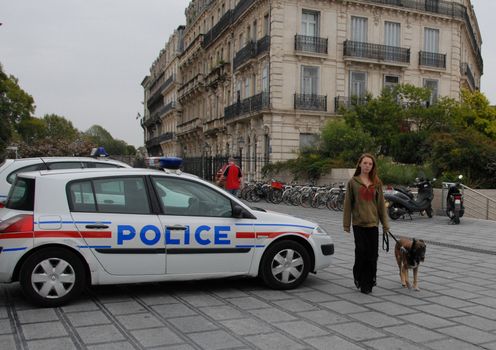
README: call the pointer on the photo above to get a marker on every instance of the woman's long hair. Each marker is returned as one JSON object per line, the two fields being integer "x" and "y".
{"x": 373, "y": 172}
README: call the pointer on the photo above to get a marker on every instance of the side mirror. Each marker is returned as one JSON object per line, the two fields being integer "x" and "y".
{"x": 240, "y": 213}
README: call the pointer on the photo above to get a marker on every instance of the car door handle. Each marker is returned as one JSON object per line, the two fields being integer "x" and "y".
{"x": 177, "y": 227}
{"x": 96, "y": 226}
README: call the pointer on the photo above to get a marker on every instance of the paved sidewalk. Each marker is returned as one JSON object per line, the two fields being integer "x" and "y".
{"x": 455, "y": 309}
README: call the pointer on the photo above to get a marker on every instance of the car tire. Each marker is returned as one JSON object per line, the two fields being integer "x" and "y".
{"x": 285, "y": 265}
{"x": 52, "y": 276}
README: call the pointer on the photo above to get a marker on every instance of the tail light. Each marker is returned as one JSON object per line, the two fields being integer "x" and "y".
{"x": 17, "y": 224}
{"x": 2, "y": 205}
{"x": 458, "y": 197}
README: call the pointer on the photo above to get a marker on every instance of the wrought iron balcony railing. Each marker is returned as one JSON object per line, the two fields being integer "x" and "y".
{"x": 342, "y": 102}
{"x": 157, "y": 140}
{"x": 432, "y": 59}
{"x": 217, "y": 29}
{"x": 378, "y": 52}
{"x": 446, "y": 8}
{"x": 251, "y": 50}
{"x": 310, "y": 102}
{"x": 249, "y": 105}
{"x": 311, "y": 44}
{"x": 241, "y": 7}
{"x": 467, "y": 72}
{"x": 167, "y": 83}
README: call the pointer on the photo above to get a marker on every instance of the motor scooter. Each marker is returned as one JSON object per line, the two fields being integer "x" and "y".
{"x": 401, "y": 201}
{"x": 454, "y": 202}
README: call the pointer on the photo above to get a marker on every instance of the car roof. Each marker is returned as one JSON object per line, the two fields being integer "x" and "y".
{"x": 71, "y": 174}
{"x": 63, "y": 159}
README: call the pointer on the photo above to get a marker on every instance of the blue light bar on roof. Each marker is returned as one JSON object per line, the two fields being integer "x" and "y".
{"x": 172, "y": 163}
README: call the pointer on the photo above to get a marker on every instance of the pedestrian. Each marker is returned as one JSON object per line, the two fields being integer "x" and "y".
{"x": 233, "y": 177}
{"x": 364, "y": 207}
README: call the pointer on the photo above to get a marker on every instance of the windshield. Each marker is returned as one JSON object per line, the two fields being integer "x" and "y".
{"x": 21, "y": 195}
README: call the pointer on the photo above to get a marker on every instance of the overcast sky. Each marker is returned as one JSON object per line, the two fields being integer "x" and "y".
{"x": 85, "y": 59}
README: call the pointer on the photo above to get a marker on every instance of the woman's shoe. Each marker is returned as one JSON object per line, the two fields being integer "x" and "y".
{"x": 366, "y": 290}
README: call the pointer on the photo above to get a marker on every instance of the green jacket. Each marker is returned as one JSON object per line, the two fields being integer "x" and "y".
{"x": 364, "y": 206}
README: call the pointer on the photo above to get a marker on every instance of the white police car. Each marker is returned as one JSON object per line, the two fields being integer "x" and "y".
{"x": 63, "y": 230}
{"x": 11, "y": 167}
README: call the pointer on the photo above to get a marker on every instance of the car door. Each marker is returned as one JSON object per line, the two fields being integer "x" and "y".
{"x": 201, "y": 234}
{"x": 114, "y": 217}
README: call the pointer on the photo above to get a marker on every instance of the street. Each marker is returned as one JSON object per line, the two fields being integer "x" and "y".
{"x": 455, "y": 308}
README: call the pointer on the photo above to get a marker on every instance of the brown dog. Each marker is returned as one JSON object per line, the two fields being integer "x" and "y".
{"x": 409, "y": 254}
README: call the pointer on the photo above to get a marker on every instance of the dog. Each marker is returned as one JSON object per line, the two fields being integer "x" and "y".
{"x": 409, "y": 254}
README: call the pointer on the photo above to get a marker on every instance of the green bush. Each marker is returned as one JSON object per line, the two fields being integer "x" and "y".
{"x": 401, "y": 174}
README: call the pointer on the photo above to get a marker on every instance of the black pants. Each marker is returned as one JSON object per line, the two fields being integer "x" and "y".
{"x": 366, "y": 255}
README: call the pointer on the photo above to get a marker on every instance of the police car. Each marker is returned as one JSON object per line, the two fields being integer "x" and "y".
{"x": 61, "y": 231}
{"x": 11, "y": 167}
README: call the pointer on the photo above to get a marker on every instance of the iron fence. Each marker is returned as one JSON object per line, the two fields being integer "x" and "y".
{"x": 206, "y": 167}
{"x": 432, "y": 59}
{"x": 310, "y": 43}
{"x": 376, "y": 51}
{"x": 310, "y": 102}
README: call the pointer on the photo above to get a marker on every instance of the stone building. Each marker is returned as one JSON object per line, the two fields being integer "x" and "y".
{"x": 258, "y": 79}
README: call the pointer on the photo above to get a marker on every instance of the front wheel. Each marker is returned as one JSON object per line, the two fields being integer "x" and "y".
{"x": 285, "y": 265}
{"x": 52, "y": 276}
{"x": 394, "y": 212}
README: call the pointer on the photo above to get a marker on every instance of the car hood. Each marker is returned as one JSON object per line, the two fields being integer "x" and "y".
{"x": 273, "y": 217}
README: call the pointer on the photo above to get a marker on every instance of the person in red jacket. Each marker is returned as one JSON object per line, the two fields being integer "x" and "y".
{"x": 234, "y": 177}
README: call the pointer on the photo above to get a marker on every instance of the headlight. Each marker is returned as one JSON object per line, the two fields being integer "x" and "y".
{"x": 319, "y": 231}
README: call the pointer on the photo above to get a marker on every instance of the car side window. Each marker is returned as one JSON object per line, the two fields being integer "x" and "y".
{"x": 65, "y": 165}
{"x": 100, "y": 165}
{"x": 82, "y": 197}
{"x": 123, "y": 195}
{"x": 189, "y": 198}
{"x": 34, "y": 167}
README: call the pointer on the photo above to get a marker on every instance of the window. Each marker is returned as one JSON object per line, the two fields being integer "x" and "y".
{"x": 310, "y": 23}
{"x": 34, "y": 167}
{"x": 188, "y": 198}
{"x": 431, "y": 40}
{"x": 254, "y": 31}
{"x": 238, "y": 91}
{"x": 247, "y": 87}
{"x": 266, "y": 24}
{"x": 265, "y": 78}
{"x": 308, "y": 141}
{"x": 359, "y": 29}
{"x": 65, "y": 165}
{"x": 110, "y": 195}
{"x": 358, "y": 84}
{"x": 433, "y": 85}
{"x": 21, "y": 195}
{"x": 392, "y": 34}
{"x": 99, "y": 165}
{"x": 390, "y": 81}
{"x": 309, "y": 80}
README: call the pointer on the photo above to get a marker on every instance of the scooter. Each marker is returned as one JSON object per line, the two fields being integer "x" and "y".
{"x": 454, "y": 202}
{"x": 401, "y": 201}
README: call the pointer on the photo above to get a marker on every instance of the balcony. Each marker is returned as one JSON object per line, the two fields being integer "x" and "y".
{"x": 191, "y": 86}
{"x": 157, "y": 115}
{"x": 381, "y": 53}
{"x": 213, "y": 126}
{"x": 217, "y": 29}
{"x": 189, "y": 126}
{"x": 155, "y": 141}
{"x": 251, "y": 50}
{"x": 341, "y": 102}
{"x": 432, "y": 59}
{"x": 446, "y": 8}
{"x": 167, "y": 83}
{"x": 313, "y": 44}
{"x": 241, "y": 7}
{"x": 467, "y": 73}
{"x": 310, "y": 102}
{"x": 249, "y": 105}
{"x": 218, "y": 74}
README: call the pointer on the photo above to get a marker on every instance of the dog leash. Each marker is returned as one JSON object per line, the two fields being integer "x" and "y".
{"x": 385, "y": 240}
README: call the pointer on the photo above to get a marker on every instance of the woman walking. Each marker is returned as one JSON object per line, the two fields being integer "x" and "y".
{"x": 364, "y": 207}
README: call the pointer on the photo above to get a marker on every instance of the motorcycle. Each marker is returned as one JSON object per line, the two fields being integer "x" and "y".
{"x": 401, "y": 201}
{"x": 454, "y": 202}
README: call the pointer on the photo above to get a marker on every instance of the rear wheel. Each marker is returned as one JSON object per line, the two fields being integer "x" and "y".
{"x": 285, "y": 265}
{"x": 52, "y": 276}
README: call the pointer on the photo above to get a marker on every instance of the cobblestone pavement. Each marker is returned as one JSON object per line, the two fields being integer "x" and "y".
{"x": 455, "y": 309}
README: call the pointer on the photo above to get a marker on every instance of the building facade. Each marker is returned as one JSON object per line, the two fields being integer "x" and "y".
{"x": 258, "y": 79}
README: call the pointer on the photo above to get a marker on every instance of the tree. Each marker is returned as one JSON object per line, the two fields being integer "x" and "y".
{"x": 101, "y": 137}
{"x": 32, "y": 129}
{"x": 475, "y": 112}
{"x": 15, "y": 105}
{"x": 340, "y": 141}
{"x": 59, "y": 128}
